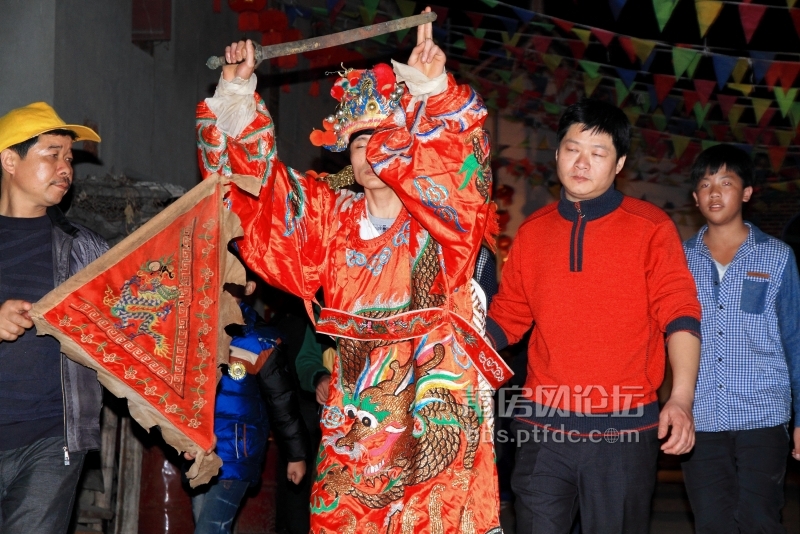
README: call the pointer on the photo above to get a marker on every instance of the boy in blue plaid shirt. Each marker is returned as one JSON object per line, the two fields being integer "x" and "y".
{"x": 748, "y": 286}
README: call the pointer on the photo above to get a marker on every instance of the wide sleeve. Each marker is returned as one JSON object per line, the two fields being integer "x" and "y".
{"x": 435, "y": 155}
{"x": 286, "y": 226}
{"x": 672, "y": 292}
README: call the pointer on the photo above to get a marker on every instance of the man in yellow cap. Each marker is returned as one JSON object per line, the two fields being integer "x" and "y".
{"x": 49, "y": 405}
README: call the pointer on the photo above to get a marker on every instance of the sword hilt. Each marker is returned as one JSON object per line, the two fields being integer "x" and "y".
{"x": 215, "y": 62}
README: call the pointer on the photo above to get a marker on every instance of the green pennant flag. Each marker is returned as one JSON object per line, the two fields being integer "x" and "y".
{"x": 479, "y": 33}
{"x": 785, "y": 100}
{"x": 551, "y": 108}
{"x": 490, "y": 3}
{"x": 700, "y": 112}
{"x": 383, "y": 39}
{"x": 320, "y": 11}
{"x": 682, "y": 59}
{"x": 592, "y": 68}
{"x": 664, "y": 9}
{"x": 407, "y": 7}
{"x": 735, "y": 114}
{"x": 621, "y": 90}
{"x": 659, "y": 120}
{"x": 693, "y": 65}
{"x": 460, "y": 44}
{"x": 633, "y": 113}
{"x": 643, "y": 99}
{"x": 372, "y": 5}
{"x": 367, "y": 15}
{"x": 401, "y": 34}
{"x": 679, "y": 144}
{"x": 505, "y": 75}
{"x": 708, "y": 143}
{"x": 794, "y": 114}
{"x": 760, "y": 106}
{"x": 590, "y": 83}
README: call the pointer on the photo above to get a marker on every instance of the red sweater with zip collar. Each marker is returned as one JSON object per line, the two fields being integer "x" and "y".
{"x": 603, "y": 281}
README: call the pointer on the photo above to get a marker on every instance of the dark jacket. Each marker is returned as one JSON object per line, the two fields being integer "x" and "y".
{"x": 75, "y": 247}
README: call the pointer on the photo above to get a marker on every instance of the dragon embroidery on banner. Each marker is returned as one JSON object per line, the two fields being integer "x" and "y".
{"x": 145, "y": 300}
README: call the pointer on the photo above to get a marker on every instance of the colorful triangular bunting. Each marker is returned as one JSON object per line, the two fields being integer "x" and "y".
{"x": 664, "y": 9}
{"x": 700, "y": 112}
{"x": 723, "y": 67}
{"x": 628, "y": 76}
{"x": 621, "y": 91}
{"x": 583, "y": 35}
{"x": 785, "y": 99}
{"x": 682, "y": 59}
{"x": 704, "y": 89}
{"x": 679, "y": 144}
{"x": 604, "y": 36}
{"x": 751, "y": 16}
{"x": 663, "y": 85}
{"x": 590, "y": 84}
{"x": 760, "y": 106}
{"x": 726, "y": 102}
{"x": 616, "y": 7}
{"x": 776, "y": 156}
{"x": 707, "y": 13}
{"x": 592, "y": 68}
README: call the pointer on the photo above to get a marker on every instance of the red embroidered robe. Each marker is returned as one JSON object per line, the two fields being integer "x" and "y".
{"x": 407, "y": 429}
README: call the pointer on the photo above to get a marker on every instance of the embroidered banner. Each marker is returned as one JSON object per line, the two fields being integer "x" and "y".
{"x": 149, "y": 317}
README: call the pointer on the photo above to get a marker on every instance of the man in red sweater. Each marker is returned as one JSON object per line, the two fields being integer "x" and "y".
{"x": 603, "y": 280}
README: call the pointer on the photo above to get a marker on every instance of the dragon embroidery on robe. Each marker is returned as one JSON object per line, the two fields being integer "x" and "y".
{"x": 415, "y": 396}
{"x": 143, "y": 301}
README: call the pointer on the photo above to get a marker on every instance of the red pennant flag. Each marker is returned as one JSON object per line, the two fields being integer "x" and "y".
{"x": 217, "y": 6}
{"x": 690, "y": 98}
{"x": 704, "y": 88}
{"x": 776, "y": 156}
{"x": 726, "y": 102}
{"x": 149, "y": 317}
{"x": 773, "y": 74}
{"x": 720, "y": 131}
{"x": 627, "y": 45}
{"x": 563, "y": 24}
{"x": 751, "y": 135}
{"x": 663, "y": 84}
{"x": 788, "y": 71}
{"x": 604, "y": 36}
{"x": 560, "y": 76}
{"x": 577, "y": 47}
{"x": 476, "y": 19}
{"x": 795, "y": 13}
{"x": 651, "y": 137}
{"x": 541, "y": 43}
{"x": 767, "y": 116}
{"x": 474, "y": 45}
{"x": 441, "y": 14}
{"x": 768, "y": 136}
{"x": 751, "y": 16}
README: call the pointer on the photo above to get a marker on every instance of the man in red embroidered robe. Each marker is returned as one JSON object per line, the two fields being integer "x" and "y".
{"x": 408, "y": 421}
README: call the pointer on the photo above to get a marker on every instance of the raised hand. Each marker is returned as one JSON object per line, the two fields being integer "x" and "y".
{"x": 427, "y": 57}
{"x": 241, "y": 59}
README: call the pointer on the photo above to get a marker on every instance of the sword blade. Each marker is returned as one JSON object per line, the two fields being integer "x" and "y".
{"x": 334, "y": 39}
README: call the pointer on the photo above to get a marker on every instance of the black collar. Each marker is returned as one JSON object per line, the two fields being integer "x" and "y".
{"x": 590, "y": 209}
{"x": 60, "y": 221}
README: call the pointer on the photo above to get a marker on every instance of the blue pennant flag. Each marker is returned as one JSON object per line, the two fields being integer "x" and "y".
{"x": 627, "y": 76}
{"x": 747, "y": 148}
{"x": 524, "y": 15}
{"x": 616, "y": 7}
{"x": 669, "y": 104}
{"x": 510, "y": 24}
{"x": 651, "y": 89}
{"x": 723, "y": 67}
{"x": 761, "y": 63}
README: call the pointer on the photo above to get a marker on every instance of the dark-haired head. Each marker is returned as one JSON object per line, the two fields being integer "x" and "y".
{"x": 733, "y": 159}
{"x": 599, "y": 117}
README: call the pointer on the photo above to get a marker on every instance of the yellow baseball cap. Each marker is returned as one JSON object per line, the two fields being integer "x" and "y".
{"x": 24, "y": 123}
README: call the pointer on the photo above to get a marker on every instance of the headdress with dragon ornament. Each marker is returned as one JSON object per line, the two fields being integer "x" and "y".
{"x": 366, "y": 97}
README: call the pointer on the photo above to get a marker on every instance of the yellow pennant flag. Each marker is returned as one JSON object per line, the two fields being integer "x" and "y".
{"x": 633, "y": 114}
{"x": 590, "y": 84}
{"x": 785, "y": 136}
{"x": 740, "y": 69}
{"x": 745, "y": 88}
{"x": 511, "y": 41}
{"x": 518, "y": 84}
{"x": 583, "y": 35}
{"x": 735, "y": 114}
{"x": 679, "y": 144}
{"x": 707, "y": 13}
{"x": 790, "y": 3}
{"x": 738, "y": 132}
{"x": 643, "y": 48}
{"x": 760, "y": 106}
{"x": 552, "y": 61}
